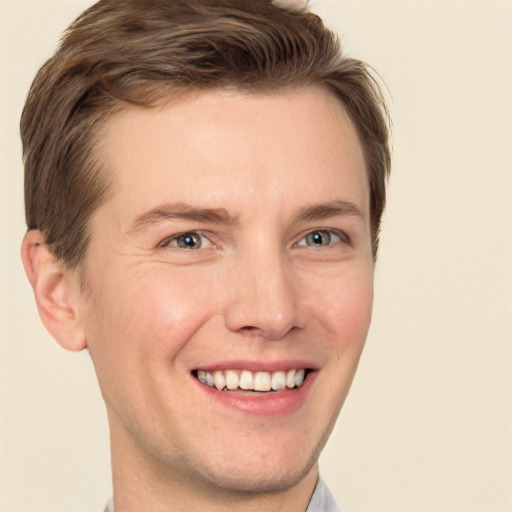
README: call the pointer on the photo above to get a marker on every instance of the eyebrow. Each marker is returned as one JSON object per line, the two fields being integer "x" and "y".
{"x": 184, "y": 211}
{"x": 330, "y": 209}
{"x": 181, "y": 211}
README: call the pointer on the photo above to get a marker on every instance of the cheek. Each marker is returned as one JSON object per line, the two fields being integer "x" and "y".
{"x": 148, "y": 313}
{"x": 346, "y": 309}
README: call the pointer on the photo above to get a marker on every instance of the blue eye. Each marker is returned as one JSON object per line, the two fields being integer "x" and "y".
{"x": 320, "y": 238}
{"x": 190, "y": 241}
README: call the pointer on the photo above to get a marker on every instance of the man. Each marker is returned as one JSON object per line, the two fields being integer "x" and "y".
{"x": 204, "y": 186}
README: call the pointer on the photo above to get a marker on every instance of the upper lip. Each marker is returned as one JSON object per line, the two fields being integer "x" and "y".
{"x": 258, "y": 366}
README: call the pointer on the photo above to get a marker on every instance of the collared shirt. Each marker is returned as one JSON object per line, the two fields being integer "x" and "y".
{"x": 321, "y": 500}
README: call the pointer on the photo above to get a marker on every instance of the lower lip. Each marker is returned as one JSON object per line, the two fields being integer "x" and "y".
{"x": 265, "y": 404}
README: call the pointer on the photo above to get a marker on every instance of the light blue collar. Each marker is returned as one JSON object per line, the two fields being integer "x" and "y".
{"x": 321, "y": 500}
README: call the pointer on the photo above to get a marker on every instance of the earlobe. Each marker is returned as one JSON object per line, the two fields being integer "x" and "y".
{"x": 56, "y": 291}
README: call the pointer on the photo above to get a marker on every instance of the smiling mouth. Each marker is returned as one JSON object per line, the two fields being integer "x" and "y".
{"x": 246, "y": 380}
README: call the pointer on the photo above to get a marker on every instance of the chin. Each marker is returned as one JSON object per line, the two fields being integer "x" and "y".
{"x": 260, "y": 481}
{"x": 257, "y": 473}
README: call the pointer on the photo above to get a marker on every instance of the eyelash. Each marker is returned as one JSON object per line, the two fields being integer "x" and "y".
{"x": 174, "y": 238}
{"x": 342, "y": 237}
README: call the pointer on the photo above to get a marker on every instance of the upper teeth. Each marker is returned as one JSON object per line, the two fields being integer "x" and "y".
{"x": 252, "y": 381}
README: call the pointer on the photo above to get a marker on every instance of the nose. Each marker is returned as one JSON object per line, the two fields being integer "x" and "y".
{"x": 264, "y": 300}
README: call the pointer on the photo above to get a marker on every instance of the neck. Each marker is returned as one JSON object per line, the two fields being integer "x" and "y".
{"x": 141, "y": 482}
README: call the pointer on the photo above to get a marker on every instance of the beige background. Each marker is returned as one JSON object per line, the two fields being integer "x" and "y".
{"x": 428, "y": 424}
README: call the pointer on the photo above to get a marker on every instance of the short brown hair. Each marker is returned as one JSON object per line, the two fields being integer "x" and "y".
{"x": 140, "y": 52}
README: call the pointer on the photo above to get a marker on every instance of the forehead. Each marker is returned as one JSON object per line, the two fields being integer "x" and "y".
{"x": 224, "y": 146}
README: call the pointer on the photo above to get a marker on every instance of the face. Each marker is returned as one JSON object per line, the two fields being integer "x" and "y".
{"x": 234, "y": 253}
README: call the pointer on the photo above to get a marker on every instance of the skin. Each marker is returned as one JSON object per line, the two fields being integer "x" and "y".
{"x": 256, "y": 289}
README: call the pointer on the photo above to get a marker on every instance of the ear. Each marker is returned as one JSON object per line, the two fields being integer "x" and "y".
{"x": 56, "y": 290}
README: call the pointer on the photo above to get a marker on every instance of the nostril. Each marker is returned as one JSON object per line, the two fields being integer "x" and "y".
{"x": 250, "y": 330}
